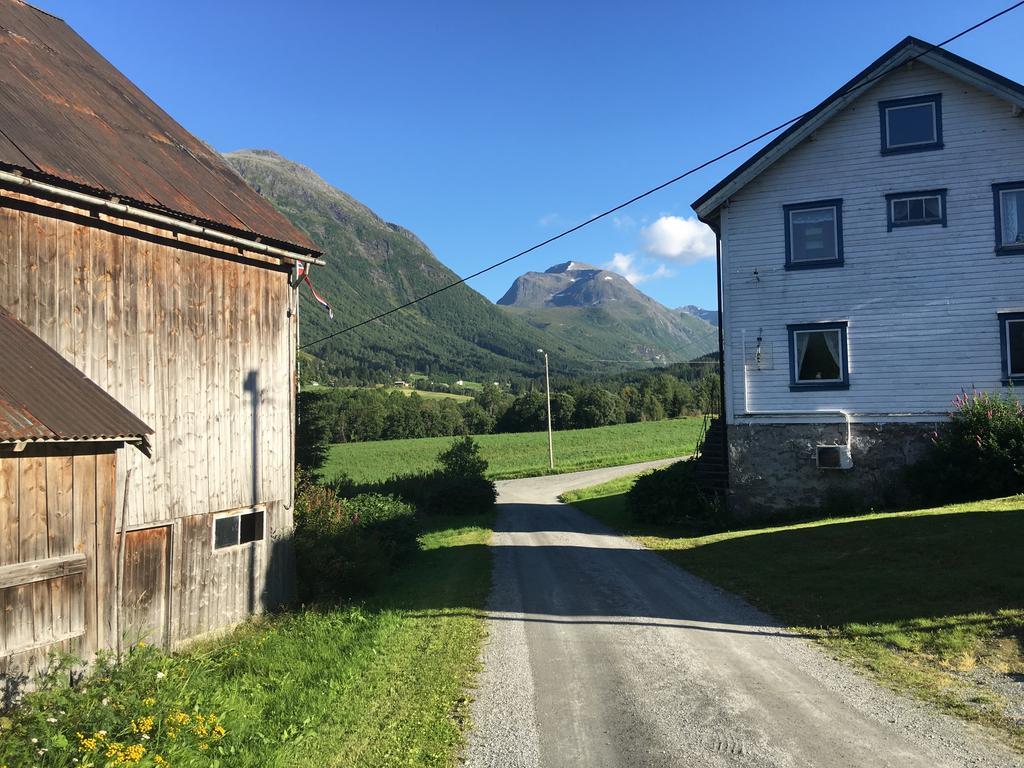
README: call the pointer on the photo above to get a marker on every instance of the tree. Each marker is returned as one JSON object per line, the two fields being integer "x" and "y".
{"x": 528, "y": 413}
{"x": 563, "y": 409}
{"x": 597, "y": 407}
{"x": 314, "y": 417}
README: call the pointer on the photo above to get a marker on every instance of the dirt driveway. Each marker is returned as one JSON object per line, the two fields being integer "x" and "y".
{"x": 602, "y": 654}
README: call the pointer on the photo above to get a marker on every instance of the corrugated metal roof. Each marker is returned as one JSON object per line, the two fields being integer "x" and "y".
{"x": 67, "y": 114}
{"x": 44, "y": 397}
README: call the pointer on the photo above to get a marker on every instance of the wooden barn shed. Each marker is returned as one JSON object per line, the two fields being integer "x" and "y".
{"x": 132, "y": 253}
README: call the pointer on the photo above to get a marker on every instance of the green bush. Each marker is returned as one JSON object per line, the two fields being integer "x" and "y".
{"x": 978, "y": 453}
{"x": 459, "y": 487}
{"x": 671, "y": 496}
{"x": 345, "y": 546}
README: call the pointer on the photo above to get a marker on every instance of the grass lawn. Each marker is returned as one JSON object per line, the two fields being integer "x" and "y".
{"x": 522, "y": 454}
{"x": 931, "y": 602}
{"x": 378, "y": 684}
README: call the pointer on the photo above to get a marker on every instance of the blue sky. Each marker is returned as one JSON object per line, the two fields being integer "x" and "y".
{"x": 486, "y": 127}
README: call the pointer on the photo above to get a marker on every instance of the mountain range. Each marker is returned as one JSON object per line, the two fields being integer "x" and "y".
{"x": 601, "y": 311}
{"x": 710, "y": 315}
{"x": 373, "y": 265}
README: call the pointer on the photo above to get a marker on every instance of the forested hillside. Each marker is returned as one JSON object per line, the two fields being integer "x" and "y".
{"x": 372, "y": 266}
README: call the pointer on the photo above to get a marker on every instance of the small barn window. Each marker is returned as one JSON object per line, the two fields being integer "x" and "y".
{"x": 818, "y": 356}
{"x": 911, "y": 125}
{"x": 1011, "y": 334}
{"x": 1009, "y": 204}
{"x": 236, "y": 528}
{"x": 814, "y": 234}
{"x": 915, "y": 209}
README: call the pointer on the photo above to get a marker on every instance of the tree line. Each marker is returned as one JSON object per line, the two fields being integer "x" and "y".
{"x": 342, "y": 415}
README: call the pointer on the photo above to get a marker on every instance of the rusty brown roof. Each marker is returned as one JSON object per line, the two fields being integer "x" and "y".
{"x": 67, "y": 115}
{"x": 44, "y": 397}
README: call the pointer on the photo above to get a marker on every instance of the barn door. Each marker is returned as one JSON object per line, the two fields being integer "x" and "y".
{"x": 144, "y": 601}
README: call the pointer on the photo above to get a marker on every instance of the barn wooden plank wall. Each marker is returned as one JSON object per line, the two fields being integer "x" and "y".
{"x": 56, "y": 584}
{"x": 196, "y": 340}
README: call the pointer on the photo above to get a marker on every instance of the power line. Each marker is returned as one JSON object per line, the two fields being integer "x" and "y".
{"x": 661, "y": 186}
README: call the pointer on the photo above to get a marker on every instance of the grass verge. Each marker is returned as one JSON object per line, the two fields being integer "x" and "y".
{"x": 522, "y": 454}
{"x": 382, "y": 683}
{"x": 930, "y": 602}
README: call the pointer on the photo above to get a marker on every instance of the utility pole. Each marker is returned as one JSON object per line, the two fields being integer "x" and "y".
{"x": 547, "y": 385}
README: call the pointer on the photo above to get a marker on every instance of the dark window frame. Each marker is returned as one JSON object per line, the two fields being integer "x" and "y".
{"x": 253, "y": 519}
{"x": 1004, "y": 346}
{"x": 889, "y": 199}
{"x": 803, "y": 386}
{"x": 997, "y": 189}
{"x": 935, "y": 99}
{"x": 787, "y": 210}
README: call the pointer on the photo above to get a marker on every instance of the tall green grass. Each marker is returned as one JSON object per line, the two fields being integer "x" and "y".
{"x": 522, "y": 454}
{"x": 371, "y": 685}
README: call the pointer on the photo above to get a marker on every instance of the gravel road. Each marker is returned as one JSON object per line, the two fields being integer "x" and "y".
{"x": 601, "y": 653}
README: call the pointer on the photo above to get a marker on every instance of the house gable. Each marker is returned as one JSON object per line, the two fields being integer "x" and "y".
{"x": 912, "y": 50}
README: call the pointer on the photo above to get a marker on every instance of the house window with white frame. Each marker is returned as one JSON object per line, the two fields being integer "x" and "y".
{"x": 818, "y": 356}
{"x": 911, "y": 125}
{"x": 1009, "y": 206}
{"x": 1011, "y": 335}
{"x": 814, "y": 234}
{"x": 239, "y": 527}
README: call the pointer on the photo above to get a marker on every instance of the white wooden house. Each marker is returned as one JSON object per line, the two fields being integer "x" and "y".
{"x": 871, "y": 267}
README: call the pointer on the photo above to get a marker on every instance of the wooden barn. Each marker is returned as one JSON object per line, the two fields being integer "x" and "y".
{"x": 147, "y": 356}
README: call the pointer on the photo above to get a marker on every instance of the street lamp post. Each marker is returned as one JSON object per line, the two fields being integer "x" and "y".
{"x": 547, "y": 385}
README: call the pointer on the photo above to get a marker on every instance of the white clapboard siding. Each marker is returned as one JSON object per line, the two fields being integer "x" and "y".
{"x": 921, "y": 302}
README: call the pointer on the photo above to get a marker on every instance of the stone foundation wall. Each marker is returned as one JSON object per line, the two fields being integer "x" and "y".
{"x": 773, "y": 470}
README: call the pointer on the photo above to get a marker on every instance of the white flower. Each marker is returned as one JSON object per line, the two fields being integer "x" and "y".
{"x": 145, "y": 735}
{"x": 105, "y": 701}
{"x": 160, "y": 675}
{"x": 51, "y": 719}
{"x": 35, "y": 741}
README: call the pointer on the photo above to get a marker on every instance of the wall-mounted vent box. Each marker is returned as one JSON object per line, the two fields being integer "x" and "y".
{"x": 834, "y": 457}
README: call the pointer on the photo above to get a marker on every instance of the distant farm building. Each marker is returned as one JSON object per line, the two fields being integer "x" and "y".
{"x": 147, "y": 334}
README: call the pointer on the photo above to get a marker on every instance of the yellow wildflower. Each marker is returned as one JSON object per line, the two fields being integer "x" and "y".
{"x": 219, "y": 732}
{"x": 204, "y": 746}
{"x": 149, "y": 701}
{"x": 178, "y": 718}
{"x": 158, "y": 760}
{"x": 142, "y": 725}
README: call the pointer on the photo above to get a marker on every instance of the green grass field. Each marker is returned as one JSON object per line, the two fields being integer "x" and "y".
{"x": 522, "y": 454}
{"x": 372, "y": 685}
{"x": 931, "y": 601}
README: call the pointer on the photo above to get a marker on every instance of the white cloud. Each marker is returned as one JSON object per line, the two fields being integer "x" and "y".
{"x": 626, "y": 265}
{"x": 685, "y": 240}
{"x": 548, "y": 219}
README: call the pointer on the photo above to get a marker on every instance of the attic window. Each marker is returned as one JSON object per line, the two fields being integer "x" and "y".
{"x": 814, "y": 234}
{"x": 915, "y": 209}
{"x": 911, "y": 125}
{"x": 235, "y": 528}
